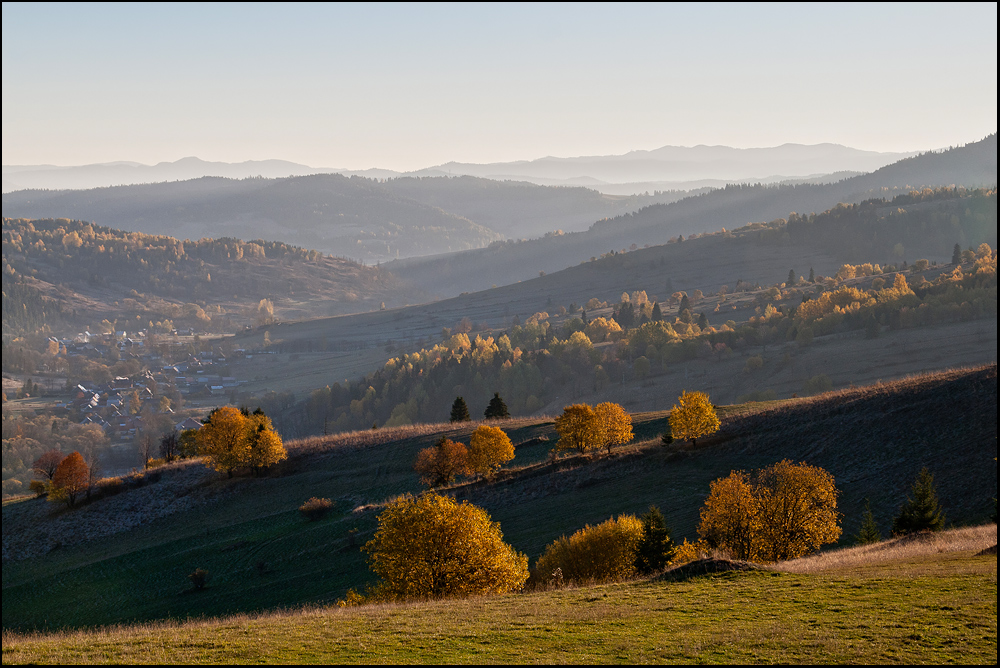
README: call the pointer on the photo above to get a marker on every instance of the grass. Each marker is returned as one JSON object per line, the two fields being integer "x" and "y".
{"x": 924, "y": 606}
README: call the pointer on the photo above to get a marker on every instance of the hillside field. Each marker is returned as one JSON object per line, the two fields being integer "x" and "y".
{"x": 126, "y": 558}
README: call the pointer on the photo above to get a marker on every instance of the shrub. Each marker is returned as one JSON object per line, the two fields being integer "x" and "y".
{"x": 599, "y": 553}
{"x": 155, "y": 463}
{"x": 199, "y": 578}
{"x": 111, "y": 486}
{"x": 818, "y": 384}
{"x": 39, "y": 488}
{"x": 316, "y": 508}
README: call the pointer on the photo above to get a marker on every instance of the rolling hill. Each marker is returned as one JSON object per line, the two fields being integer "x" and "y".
{"x": 61, "y": 569}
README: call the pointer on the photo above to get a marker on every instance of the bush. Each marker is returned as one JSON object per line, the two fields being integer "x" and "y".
{"x": 433, "y": 546}
{"x": 199, "y": 578}
{"x": 315, "y": 508}
{"x": 600, "y": 553}
{"x": 39, "y": 488}
{"x": 111, "y": 486}
{"x": 818, "y": 384}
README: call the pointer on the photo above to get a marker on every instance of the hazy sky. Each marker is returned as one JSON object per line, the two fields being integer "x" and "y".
{"x": 408, "y": 86}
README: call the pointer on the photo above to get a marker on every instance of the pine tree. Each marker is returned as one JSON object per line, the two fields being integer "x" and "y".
{"x": 497, "y": 408}
{"x": 657, "y": 313}
{"x": 812, "y": 275}
{"x": 657, "y": 547}
{"x": 869, "y": 531}
{"x": 922, "y": 512}
{"x": 459, "y": 411}
{"x": 791, "y": 277}
{"x": 956, "y": 255}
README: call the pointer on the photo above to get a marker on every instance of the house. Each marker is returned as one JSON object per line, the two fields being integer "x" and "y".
{"x": 189, "y": 423}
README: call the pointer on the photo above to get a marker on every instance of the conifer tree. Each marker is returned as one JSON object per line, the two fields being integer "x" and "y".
{"x": 956, "y": 255}
{"x": 812, "y": 275}
{"x": 657, "y": 313}
{"x": 869, "y": 531}
{"x": 657, "y": 547}
{"x": 497, "y": 408}
{"x": 922, "y": 512}
{"x": 459, "y": 411}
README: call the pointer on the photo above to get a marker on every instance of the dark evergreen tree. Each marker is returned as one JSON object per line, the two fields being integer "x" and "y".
{"x": 459, "y": 411}
{"x": 702, "y": 320}
{"x": 656, "y": 547}
{"x": 685, "y": 303}
{"x": 657, "y": 313}
{"x": 812, "y": 275}
{"x": 497, "y": 408}
{"x": 791, "y": 277}
{"x": 956, "y": 255}
{"x": 583, "y": 316}
{"x": 869, "y": 531}
{"x": 923, "y": 511}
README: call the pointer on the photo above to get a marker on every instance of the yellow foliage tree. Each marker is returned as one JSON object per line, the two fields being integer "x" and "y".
{"x": 489, "y": 449}
{"x": 433, "y": 546}
{"x": 693, "y": 417}
{"x": 223, "y": 440}
{"x": 785, "y": 511}
{"x": 265, "y": 446}
{"x": 594, "y": 553}
{"x": 613, "y": 423}
{"x": 578, "y": 429}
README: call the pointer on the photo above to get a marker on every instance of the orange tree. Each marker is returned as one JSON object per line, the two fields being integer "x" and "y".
{"x": 783, "y": 512}
{"x": 489, "y": 449}
{"x": 72, "y": 477}
{"x": 693, "y": 417}
{"x": 434, "y": 546}
{"x": 614, "y": 425}
{"x": 439, "y": 464}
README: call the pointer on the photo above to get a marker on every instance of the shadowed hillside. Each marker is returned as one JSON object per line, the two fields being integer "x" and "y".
{"x": 261, "y": 554}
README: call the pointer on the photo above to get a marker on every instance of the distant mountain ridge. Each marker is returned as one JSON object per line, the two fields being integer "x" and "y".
{"x": 659, "y": 169}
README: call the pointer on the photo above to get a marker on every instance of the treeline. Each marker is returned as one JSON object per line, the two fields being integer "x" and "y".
{"x": 919, "y": 222}
{"x": 534, "y": 363}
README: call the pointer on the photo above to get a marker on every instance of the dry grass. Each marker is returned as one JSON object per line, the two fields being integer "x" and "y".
{"x": 913, "y": 546}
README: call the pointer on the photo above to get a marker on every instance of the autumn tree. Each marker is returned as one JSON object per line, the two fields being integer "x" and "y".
{"x": 459, "y": 411}
{"x": 439, "y": 464}
{"x": 693, "y": 417}
{"x": 785, "y": 511}
{"x": 489, "y": 449}
{"x": 72, "y": 477}
{"x": 223, "y": 440}
{"x": 433, "y": 546}
{"x": 577, "y": 428}
{"x": 595, "y": 553}
{"x": 47, "y": 463}
{"x": 922, "y": 512}
{"x": 614, "y": 425}
{"x": 265, "y": 446}
{"x": 497, "y": 409}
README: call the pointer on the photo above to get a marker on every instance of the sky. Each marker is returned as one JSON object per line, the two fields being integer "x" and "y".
{"x": 409, "y": 86}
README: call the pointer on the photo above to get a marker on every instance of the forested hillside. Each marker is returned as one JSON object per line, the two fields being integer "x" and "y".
{"x": 73, "y": 273}
{"x": 735, "y": 205}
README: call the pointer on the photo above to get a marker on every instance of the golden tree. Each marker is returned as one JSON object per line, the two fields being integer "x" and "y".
{"x": 599, "y": 553}
{"x": 614, "y": 425}
{"x": 72, "y": 477}
{"x": 693, "y": 417}
{"x": 433, "y": 546}
{"x": 439, "y": 464}
{"x": 578, "y": 429}
{"x": 489, "y": 449}
{"x": 730, "y": 518}
{"x": 798, "y": 509}
{"x": 265, "y": 446}
{"x": 785, "y": 511}
{"x": 223, "y": 440}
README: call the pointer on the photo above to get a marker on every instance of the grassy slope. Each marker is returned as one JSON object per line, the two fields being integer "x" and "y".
{"x": 873, "y": 440}
{"x": 924, "y": 608}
